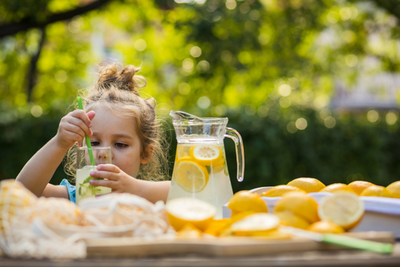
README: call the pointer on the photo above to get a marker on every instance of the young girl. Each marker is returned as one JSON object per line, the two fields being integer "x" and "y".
{"x": 114, "y": 115}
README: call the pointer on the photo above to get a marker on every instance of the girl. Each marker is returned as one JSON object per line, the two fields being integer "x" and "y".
{"x": 116, "y": 116}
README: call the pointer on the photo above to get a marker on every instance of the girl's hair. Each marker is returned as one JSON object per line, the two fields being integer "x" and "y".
{"x": 117, "y": 90}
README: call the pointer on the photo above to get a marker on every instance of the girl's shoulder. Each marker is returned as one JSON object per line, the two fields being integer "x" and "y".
{"x": 71, "y": 190}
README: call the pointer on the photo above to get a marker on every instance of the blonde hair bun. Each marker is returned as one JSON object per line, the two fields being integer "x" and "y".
{"x": 114, "y": 75}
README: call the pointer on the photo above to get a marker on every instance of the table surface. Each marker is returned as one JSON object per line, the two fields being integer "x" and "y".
{"x": 308, "y": 258}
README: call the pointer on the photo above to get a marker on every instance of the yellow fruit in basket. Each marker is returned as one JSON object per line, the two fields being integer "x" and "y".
{"x": 394, "y": 189}
{"x": 359, "y": 186}
{"x": 207, "y": 155}
{"x": 302, "y": 205}
{"x": 326, "y": 227}
{"x": 189, "y": 231}
{"x": 255, "y": 225}
{"x": 337, "y": 187}
{"x": 243, "y": 201}
{"x": 309, "y": 185}
{"x": 288, "y": 218}
{"x": 280, "y": 190}
{"x": 343, "y": 208}
{"x": 191, "y": 176}
{"x": 193, "y": 211}
{"x": 376, "y": 191}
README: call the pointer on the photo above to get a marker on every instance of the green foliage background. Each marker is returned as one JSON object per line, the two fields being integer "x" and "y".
{"x": 262, "y": 63}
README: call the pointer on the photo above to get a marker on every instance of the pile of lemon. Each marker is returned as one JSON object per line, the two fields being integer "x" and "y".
{"x": 311, "y": 185}
{"x": 336, "y": 213}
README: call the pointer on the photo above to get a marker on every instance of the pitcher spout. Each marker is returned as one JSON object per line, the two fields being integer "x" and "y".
{"x": 181, "y": 115}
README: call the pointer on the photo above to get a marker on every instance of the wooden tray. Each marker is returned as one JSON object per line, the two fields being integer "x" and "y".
{"x": 230, "y": 246}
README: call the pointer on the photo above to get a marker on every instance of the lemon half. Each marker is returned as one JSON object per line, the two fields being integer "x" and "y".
{"x": 343, "y": 208}
{"x": 207, "y": 155}
{"x": 255, "y": 224}
{"x": 182, "y": 211}
{"x": 191, "y": 176}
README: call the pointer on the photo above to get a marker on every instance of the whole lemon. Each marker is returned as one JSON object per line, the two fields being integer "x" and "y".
{"x": 359, "y": 186}
{"x": 244, "y": 200}
{"x": 394, "y": 189}
{"x": 302, "y": 205}
{"x": 336, "y": 187}
{"x": 376, "y": 191}
{"x": 280, "y": 190}
{"x": 307, "y": 184}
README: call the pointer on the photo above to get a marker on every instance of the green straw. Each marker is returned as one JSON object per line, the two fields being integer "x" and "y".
{"x": 89, "y": 145}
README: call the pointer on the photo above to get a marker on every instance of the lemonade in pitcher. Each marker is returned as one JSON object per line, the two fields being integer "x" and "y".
{"x": 200, "y": 169}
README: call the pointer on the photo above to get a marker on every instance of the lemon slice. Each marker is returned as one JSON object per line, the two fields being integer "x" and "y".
{"x": 207, "y": 155}
{"x": 344, "y": 209}
{"x": 255, "y": 224}
{"x": 183, "y": 211}
{"x": 191, "y": 176}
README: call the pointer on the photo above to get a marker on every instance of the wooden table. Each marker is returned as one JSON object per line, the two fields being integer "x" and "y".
{"x": 308, "y": 258}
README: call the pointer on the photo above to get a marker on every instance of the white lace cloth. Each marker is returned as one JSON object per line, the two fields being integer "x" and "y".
{"x": 56, "y": 228}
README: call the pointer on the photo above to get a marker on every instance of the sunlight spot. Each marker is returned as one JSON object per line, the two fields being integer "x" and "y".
{"x": 301, "y": 123}
{"x": 372, "y": 116}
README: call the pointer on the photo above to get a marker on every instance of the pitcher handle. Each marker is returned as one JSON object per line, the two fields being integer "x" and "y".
{"x": 235, "y": 136}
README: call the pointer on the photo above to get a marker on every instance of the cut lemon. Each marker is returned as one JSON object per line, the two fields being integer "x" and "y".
{"x": 255, "y": 224}
{"x": 326, "y": 227}
{"x": 191, "y": 176}
{"x": 302, "y": 205}
{"x": 343, "y": 208}
{"x": 207, "y": 155}
{"x": 182, "y": 211}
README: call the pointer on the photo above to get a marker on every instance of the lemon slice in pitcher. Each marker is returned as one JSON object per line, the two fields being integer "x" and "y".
{"x": 207, "y": 155}
{"x": 191, "y": 176}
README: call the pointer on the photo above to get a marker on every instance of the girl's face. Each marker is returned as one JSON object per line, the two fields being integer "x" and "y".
{"x": 119, "y": 134}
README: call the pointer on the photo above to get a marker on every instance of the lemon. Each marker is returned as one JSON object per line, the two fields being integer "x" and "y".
{"x": 216, "y": 227}
{"x": 326, "y": 227}
{"x": 302, "y": 205}
{"x": 255, "y": 224}
{"x": 191, "y": 176}
{"x": 189, "y": 231}
{"x": 394, "y": 189}
{"x": 182, "y": 211}
{"x": 359, "y": 186}
{"x": 244, "y": 200}
{"x": 337, "y": 187}
{"x": 307, "y": 184}
{"x": 343, "y": 208}
{"x": 288, "y": 218}
{"x": 376, "y": 191}
{"x": 280, "y": 190}
{"x": 207, "y": 155}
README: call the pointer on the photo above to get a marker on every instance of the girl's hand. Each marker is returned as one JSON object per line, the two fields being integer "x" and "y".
{"x": 73, "y": 128}
{"x": 117, "y": 180}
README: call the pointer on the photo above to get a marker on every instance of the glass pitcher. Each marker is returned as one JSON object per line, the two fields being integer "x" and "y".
{"x": 200, "y": 169}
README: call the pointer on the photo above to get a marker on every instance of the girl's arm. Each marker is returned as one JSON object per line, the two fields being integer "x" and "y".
{"x": 153, "y": 191}
{"x": 38, "y": 171}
